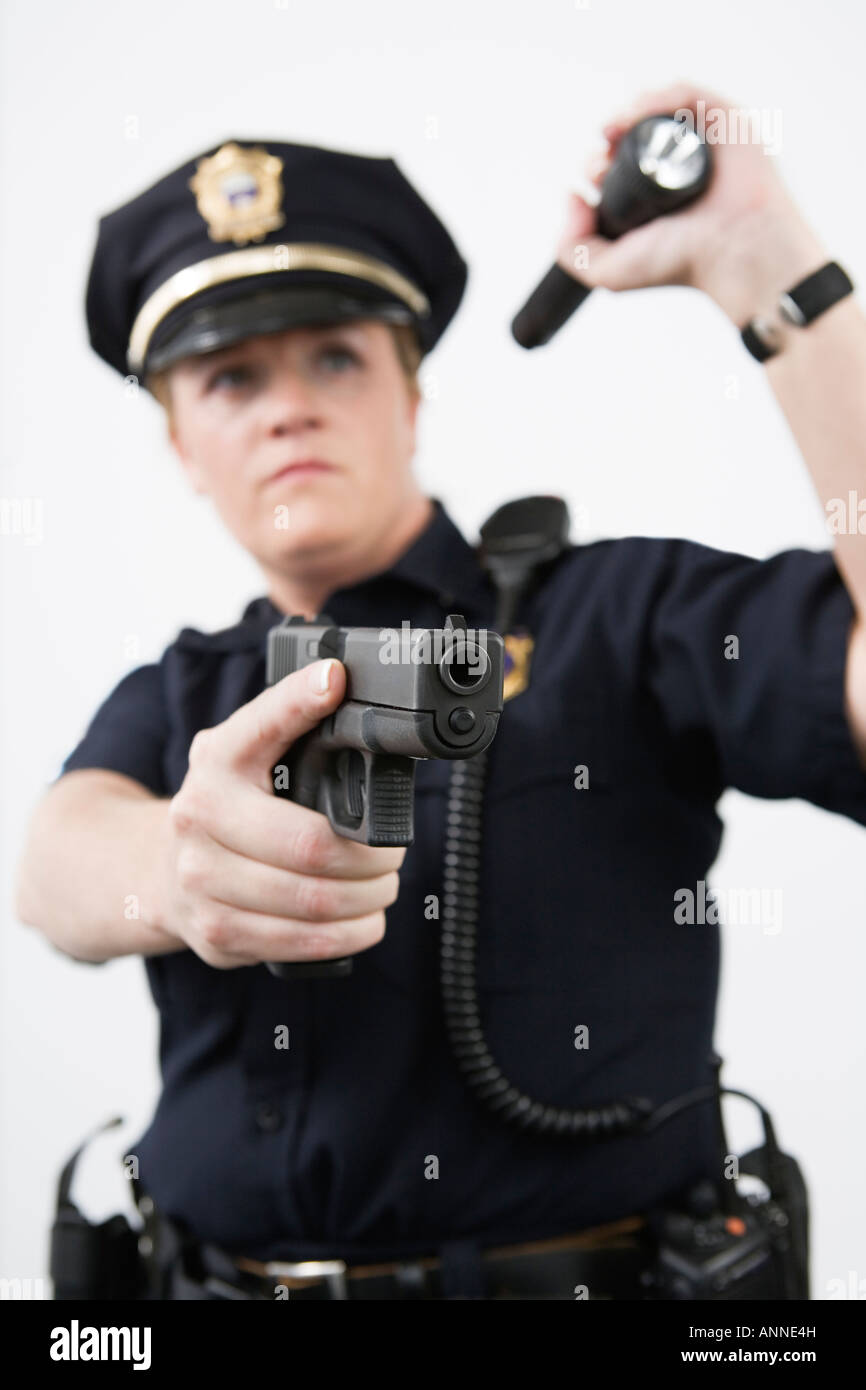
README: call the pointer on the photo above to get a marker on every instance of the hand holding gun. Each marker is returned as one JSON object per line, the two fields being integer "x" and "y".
{"x": 438, "y": 695}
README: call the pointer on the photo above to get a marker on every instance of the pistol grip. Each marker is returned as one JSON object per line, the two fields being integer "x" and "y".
{"x": 389, "y": 793}
{"x": 366, "y": 796}
{"x": 306, "y": 765}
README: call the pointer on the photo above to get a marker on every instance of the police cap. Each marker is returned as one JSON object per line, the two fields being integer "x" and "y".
{"x": 253, "y": 237}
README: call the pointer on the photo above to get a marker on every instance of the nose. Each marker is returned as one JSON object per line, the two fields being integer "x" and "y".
{"x": 292, "y": 402}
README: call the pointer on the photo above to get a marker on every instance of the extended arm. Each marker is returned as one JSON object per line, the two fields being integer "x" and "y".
{"x": 87, "y": 878}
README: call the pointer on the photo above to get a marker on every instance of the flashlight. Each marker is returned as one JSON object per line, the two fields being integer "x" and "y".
{"x": 661, "y": 165}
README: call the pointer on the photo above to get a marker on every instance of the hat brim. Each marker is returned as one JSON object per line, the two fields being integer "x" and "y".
{"x": 208, "y": 327}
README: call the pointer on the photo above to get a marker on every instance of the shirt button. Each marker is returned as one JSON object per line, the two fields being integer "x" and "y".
{"x": 268, "y": 1117}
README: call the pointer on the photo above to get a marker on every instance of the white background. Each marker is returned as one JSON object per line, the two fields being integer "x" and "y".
{"x": 490, "y": 109}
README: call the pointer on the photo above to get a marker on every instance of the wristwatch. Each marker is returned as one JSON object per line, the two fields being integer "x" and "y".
{"x": 765, "y": 334}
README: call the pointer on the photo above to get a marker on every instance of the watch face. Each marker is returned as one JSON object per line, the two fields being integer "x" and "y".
{"x": 790, "y": 310}
{"x": 769, "y": 332}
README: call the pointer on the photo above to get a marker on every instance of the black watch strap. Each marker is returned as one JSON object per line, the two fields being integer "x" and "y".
{"x": 757, "y": 347}
{"x": 799, "y": 306}
{"x": 820, "y": 290}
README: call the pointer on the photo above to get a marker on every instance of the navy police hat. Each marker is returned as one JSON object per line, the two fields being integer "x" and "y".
{"x": 253, "y": 237}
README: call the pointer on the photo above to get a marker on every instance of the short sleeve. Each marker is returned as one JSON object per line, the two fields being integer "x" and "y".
{"x": 746, "y": 659}
{"x": 129, "y": 731}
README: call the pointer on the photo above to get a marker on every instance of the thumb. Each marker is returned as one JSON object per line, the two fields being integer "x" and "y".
{"x": 257, "y": 734}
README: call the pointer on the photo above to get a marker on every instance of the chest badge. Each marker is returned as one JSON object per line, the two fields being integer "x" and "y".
{"x": 239, "y": 193}
{"x": 518, "y": 655}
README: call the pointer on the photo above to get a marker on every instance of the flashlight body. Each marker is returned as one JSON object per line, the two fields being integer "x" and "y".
{"x": 634, "y": 191}
{"x": 631, "y": 195}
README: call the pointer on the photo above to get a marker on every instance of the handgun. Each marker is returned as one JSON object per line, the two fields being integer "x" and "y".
{"x": 410, "y": 694}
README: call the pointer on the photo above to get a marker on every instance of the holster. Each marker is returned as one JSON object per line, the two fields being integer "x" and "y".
{"x": 90, "y": 1261}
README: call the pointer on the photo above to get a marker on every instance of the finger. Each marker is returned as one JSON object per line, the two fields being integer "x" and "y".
{"x": 596, "y": 166}
{"x": 272, "y": 830}
{"x": 254, "y": 936}
{"x": 579, "y": 219}
{"x": 244, "y": 884}
{"x": 257, "y": 734}
{"x": 677, "y": 96}
{"x": 221, "y": 961}
{"x": 580, "y": 245}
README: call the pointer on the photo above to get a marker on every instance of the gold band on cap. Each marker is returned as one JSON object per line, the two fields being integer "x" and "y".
{"x": 263, "y": 260}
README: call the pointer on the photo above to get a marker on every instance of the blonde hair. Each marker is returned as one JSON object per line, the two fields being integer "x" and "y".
{"x": 405, "y": 343}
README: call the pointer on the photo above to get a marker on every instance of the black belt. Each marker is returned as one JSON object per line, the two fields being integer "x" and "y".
{"x": 605, "y": 1262}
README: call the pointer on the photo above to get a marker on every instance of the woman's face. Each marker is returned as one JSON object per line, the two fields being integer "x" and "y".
{"x": 337, "y": 395}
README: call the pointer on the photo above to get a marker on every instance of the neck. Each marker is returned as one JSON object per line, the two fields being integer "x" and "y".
{"x": 306, "y": 593}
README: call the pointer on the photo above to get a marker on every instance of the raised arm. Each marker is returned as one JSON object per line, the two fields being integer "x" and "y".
{"x": 744, "y": 243}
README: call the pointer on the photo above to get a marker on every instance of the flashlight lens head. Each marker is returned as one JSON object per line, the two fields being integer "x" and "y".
{"x": 670, "y": 153}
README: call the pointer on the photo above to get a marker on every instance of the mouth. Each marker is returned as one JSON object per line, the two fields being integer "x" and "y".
{"x": 304, "y": 468}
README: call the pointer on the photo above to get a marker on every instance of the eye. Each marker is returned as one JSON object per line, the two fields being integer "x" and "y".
{"x": 338, "y": 352}
{"x": 230, "y": 377}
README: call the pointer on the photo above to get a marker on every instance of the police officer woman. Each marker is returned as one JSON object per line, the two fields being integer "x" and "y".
{"x": 277, "y": 298}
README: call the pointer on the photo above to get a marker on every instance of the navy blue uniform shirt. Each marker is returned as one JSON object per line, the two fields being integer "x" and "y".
{"x": 322, "y": 1149}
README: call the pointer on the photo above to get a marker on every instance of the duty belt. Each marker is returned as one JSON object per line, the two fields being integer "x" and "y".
{"x": 604, "y": 1262}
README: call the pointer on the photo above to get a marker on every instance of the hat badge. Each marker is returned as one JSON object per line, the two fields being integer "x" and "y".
{"x": 239, "y": 193}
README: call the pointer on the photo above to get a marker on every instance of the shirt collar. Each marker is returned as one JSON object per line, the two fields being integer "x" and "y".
{"x": 440, "y": 561}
